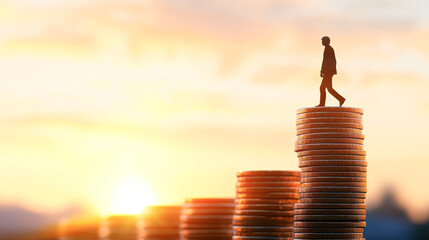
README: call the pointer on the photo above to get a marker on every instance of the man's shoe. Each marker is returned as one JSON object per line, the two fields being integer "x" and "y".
{"x": 320, "y": 105}
{"x": 342, "y": 102}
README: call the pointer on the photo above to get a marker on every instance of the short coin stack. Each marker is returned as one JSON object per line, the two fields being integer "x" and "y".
{"x": 119, "y": 227}
{"x": 160, "y": 223}
{"x": 79, "y": 229}
{"x": 333, "y": 174}
{"x": 207, "y": 218}
{"x": 264, "y": 204}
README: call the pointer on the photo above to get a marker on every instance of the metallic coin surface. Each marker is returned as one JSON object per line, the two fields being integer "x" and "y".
{"x": 330, "y": 125}
{"x": 335, "y": 184}
{"x": 330, "y": 212}
{"x": 334, "y": 189}
{"x": 334, "y": 179}
{"x": 314, "y": 163}
{"x": 270, "y": 179}
{"x": 332, "y": 152}
{"x": 336, "y": 195}
{"x": 327, "y": 146}
{"x": 329, "y": 140}
{"x": 340, "y": 135}
{"x": 268, "y": 173}
{"x": 330, "y": 109}
{"x": 329, "y": 206}
{"x": 332, "y": 200}
{"x": 334, "y": 169}
{"x": 330, "y": 157}
{"x": 333, "y": 224}
{"x": 328, "y": 218}
{"x": 327, "y": 130}
{"x": 268, "y": 184}
{"x": 267, "y": 195}
{"x": 267, "y": 189}
{"x": 333, "y": 174}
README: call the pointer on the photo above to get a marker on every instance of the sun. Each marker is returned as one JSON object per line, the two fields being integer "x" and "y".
{"x": 130, "y": 196}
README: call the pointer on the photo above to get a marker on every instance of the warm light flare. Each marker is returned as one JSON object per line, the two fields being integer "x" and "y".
{"x": 130, "y": 196}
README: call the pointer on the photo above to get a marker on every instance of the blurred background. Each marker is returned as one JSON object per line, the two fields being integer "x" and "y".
{"x": 108, "y": 106}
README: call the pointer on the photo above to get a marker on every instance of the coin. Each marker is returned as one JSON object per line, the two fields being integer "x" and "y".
{"x": 329, "y": 120}
{"x": 209, "y": 200}
{"x": 267, "y": 189}
{"x": 263, "y": 229}
{"x": 268, "y": 184}
{"x": 333, "y": 179}
{"x": 313, "y": 163}
{"x": 330, "y": 125}
{"x": 328, "y": 218}
{"x": 330, "y": 212}
{"x": 329, "y": 140}
{"x": 328, "y": 230}
{"x": 327, "y": 130}
{"x": 268, "y": 173}
{"x": 329, "y": 114}
{"x": 205, "y": 226}
{"x": 270, "y": 213}
{"x": 263, "y": 223}
{"x": 264, "y": 218}
{"x": 334, "y": 174}
{"x": 209, "y": 211}
{"x": 336, "y": 224}
{"x": 329, "y": 206}
{"x": 333, "y": 195}
{"x": 268, "y": 195}
{"x": 330, "y": 109}
{"x": 328, "y": 146}
{"x": 261, "y": 238}
{"x": 332, "y": 152}
{"x": 265, "y": 201}
{"x": 278, "y": 207}
{"x": 335, "y": 184}
{"x": 331, "y": 200}
{"x": 264, "y": 234}
{"x": 333, "y": 189}
{"x": 328, "y": 235}
{"x": 330, "y": 157}
{"x": 269, "y": 179}
{"x": 334, "y": 169}
{"x": 331, "y": 135}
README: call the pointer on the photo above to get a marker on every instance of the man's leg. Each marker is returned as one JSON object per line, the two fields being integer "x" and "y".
{"x": 322, "y": 93}
{"x": 331, "y": 90}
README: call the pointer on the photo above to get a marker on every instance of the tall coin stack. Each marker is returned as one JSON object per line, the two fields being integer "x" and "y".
{"x": 329, "y": 146}
{"x": 264, "y": 204}
{"x": 119, "y": 227}
{"x": 160, "y": 223}
{"x": 207, "y": 218}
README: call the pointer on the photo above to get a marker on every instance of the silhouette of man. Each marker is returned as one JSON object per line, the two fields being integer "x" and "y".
{"x": 329, "y": 68}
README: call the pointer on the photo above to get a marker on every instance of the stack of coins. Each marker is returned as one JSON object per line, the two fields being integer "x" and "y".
{"x": 264, "y": 204}
{"x": 207, "y": 218}
{"x": 79, "y": 229}
{"x": 160, "y": 223}
{"x": 333, "y": 173}
{"x": 119, "y": 227}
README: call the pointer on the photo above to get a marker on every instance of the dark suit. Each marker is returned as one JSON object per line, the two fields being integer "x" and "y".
{"x": 329, "y": 64}
{"x": 329, "y": 68}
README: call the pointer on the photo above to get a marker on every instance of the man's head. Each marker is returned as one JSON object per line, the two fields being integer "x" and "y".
{"x": 325, "y": 41}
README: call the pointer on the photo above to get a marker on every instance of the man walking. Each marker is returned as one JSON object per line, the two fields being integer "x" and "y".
{"x": 329, "y": 68}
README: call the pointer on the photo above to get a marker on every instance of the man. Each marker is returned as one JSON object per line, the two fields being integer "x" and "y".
{"x": 329, "y": 68}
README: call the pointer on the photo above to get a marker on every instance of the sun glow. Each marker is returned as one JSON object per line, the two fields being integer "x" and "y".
{"x": 130, "y": 196}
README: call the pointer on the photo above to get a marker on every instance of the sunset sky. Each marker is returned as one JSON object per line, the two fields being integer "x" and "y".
{"x": 179, "y": 95}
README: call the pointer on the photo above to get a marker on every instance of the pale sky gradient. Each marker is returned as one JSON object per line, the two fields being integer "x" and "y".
{"x": 186, "y": 93}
